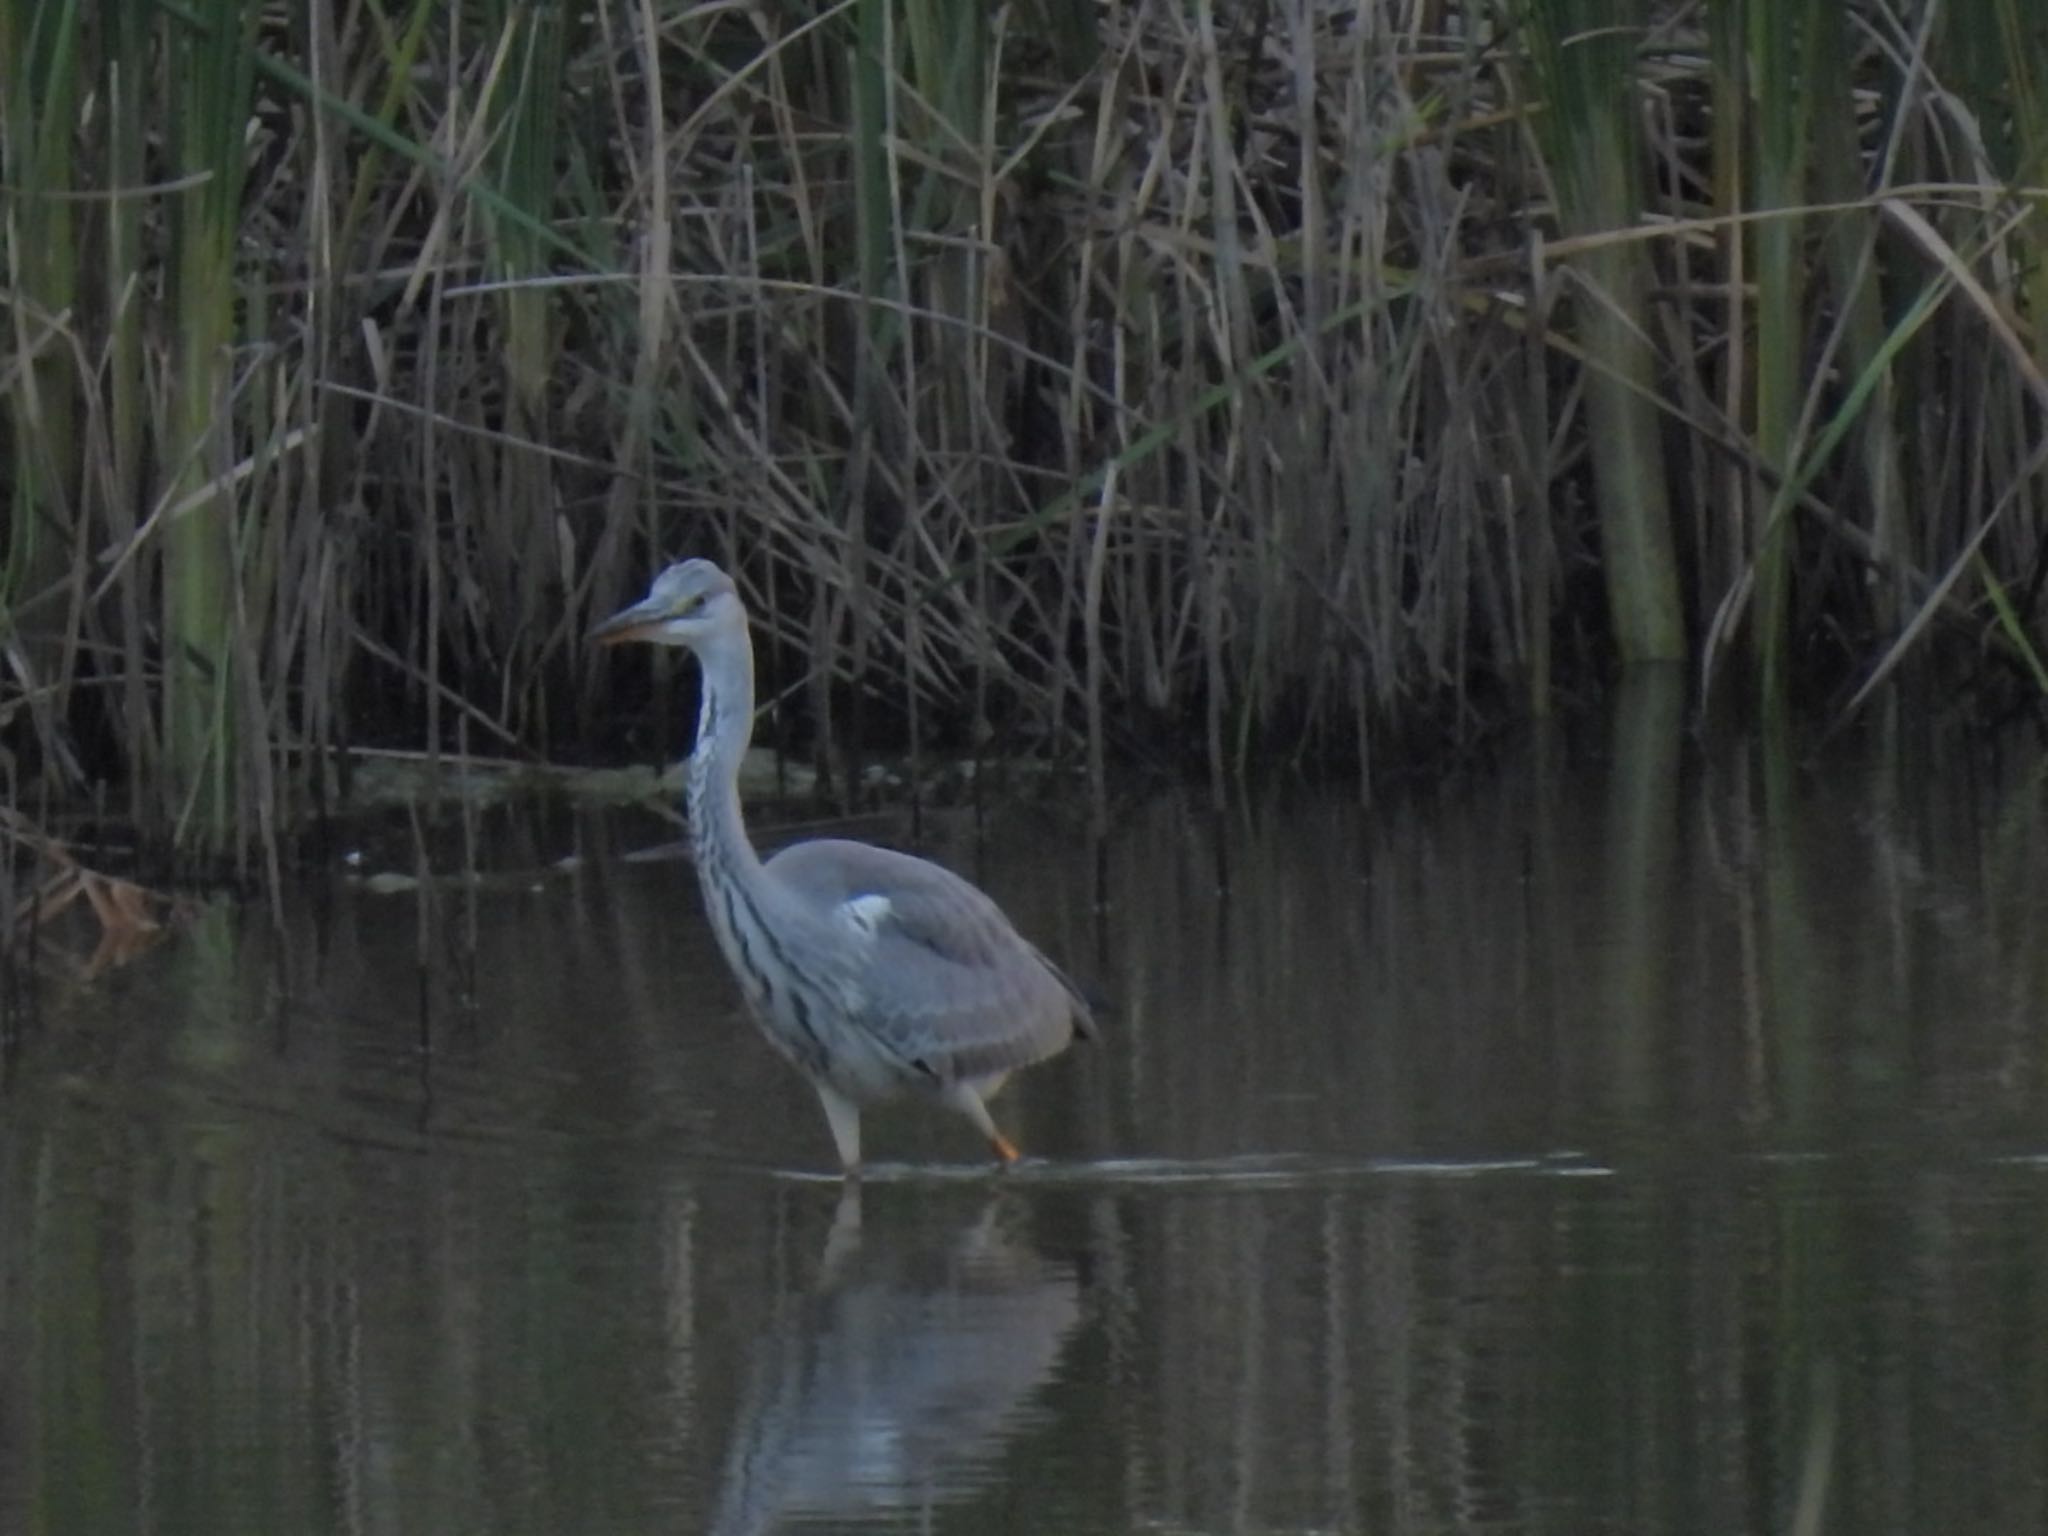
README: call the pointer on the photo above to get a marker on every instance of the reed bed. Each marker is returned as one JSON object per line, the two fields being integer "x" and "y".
{"x": 1206, "y": 383}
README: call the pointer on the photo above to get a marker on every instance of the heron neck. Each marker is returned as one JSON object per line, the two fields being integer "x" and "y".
{"x": 725, "y": 723}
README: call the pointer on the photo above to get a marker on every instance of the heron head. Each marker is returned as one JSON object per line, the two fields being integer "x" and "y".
{"x": 688, "y": 604}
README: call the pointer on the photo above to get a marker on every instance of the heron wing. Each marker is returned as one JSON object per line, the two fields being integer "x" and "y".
{"x": 936, "y": 972}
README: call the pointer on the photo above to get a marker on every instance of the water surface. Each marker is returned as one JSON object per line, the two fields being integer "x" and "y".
{"x": 1616, "y": 1139}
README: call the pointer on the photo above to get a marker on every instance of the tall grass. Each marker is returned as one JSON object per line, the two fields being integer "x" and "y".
{"x": 1783, "y": 49}
{"x": 1592, "y": 142}
{"x": 1203, "y": 382}
{"x": 211, "y": 534}
{"x": 39, "y": 49}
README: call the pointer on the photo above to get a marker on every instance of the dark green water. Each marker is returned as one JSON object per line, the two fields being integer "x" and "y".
{"x": 1617, "y": 1142}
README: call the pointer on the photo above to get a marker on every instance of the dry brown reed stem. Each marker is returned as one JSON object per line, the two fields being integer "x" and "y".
{"x": 1200, "y": 385}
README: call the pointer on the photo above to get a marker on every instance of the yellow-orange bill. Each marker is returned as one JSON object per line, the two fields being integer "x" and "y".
{"x": 604, "y": 634}
{"x": 1005, "y": 1149}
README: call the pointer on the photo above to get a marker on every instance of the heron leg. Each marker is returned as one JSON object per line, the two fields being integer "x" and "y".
{"x": 843, "y": 1115}
{"x": 843, "y": 1241}
{"x": 963, "y": 1098}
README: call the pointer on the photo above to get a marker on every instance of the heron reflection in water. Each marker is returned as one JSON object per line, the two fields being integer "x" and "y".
{"x": 878, "y": 975}
{"x": 904, "y": 1374}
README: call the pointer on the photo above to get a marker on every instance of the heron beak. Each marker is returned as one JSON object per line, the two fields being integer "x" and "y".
{"x": 642, "y": 621}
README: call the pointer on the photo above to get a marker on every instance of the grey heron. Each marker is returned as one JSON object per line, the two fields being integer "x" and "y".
{"x": 876, "y": 974}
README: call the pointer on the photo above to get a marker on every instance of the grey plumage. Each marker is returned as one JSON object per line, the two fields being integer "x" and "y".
{"x": 877, "y": 974}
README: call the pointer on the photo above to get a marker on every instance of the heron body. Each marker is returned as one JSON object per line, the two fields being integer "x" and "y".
{"x": 876, "y": 974}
